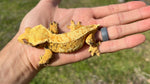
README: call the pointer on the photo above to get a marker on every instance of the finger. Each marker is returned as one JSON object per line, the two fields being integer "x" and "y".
{"x": 119, "y": 31}
{"x": 105, "y": 47}
{"x": 111, "y": 9}
{"x": 124, "y": 43}
{"x": 125, "y": 17}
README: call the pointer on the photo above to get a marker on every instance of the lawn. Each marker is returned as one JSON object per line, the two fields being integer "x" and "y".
{"x": 122, "y": 67}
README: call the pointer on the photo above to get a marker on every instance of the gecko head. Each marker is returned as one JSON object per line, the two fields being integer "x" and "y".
{"x": 34, "y": 36}
{"x": 23, "y": 38}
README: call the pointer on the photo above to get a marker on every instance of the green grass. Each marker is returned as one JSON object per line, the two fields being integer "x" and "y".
{"x": 122, "y": 67}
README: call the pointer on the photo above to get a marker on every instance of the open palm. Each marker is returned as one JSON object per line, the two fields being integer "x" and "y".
{"x": 117, "y": 18}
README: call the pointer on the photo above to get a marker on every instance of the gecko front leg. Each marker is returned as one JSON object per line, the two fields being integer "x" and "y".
{"x": 93, "y": 49}
{"x": 45, "y": 58}
{"x": 48, "y": 53}
{"x": 53, "y": 27}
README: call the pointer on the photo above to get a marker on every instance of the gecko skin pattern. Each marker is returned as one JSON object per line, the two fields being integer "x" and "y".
{"x": 49, "y": 39}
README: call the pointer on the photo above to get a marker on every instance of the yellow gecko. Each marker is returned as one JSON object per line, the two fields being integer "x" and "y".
{"x": 49, "y": 39}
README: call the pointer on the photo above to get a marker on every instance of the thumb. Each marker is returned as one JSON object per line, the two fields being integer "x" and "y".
{"x": 53, "y": 3}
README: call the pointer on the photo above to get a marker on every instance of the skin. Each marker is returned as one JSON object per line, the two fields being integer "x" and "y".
{"x": 117, "y": 18}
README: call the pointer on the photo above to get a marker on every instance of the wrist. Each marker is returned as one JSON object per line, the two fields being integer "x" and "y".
{"x": 32, "y": 54}
{"x": 15, "y": 66}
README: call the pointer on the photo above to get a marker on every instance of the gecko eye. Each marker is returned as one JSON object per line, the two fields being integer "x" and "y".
{"x": 25, "y": 41}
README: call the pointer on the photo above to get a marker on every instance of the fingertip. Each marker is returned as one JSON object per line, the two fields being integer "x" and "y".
{"x": 123, "y": 43}
{"x": 135, "y": 40}
{"x": 142, "y": 37}
{"x": 135, "y": 4}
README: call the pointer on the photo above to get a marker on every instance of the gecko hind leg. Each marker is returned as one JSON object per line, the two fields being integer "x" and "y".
{"x": 93, "y": 49}
{"x": 74, "y": 26}
{"x": 45, "y": 58}
{"x": 53, "y": 27}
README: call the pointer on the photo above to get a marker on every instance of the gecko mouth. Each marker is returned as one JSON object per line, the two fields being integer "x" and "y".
{"x": 43, "y": 45}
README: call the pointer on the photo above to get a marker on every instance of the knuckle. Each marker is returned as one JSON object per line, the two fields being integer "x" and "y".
{"x": 118, "y": 31}
{"x": 112, "y": 48}
{"x": 120, "y": 18}
{"x": 113, "y": 8}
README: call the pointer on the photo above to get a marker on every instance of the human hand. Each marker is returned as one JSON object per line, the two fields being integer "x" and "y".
{"x": 120, "y": 19}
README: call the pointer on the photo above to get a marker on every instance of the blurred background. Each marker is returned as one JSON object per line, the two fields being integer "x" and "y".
{"x": 130, "y": 66}
{"x": 146, "y": 1}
